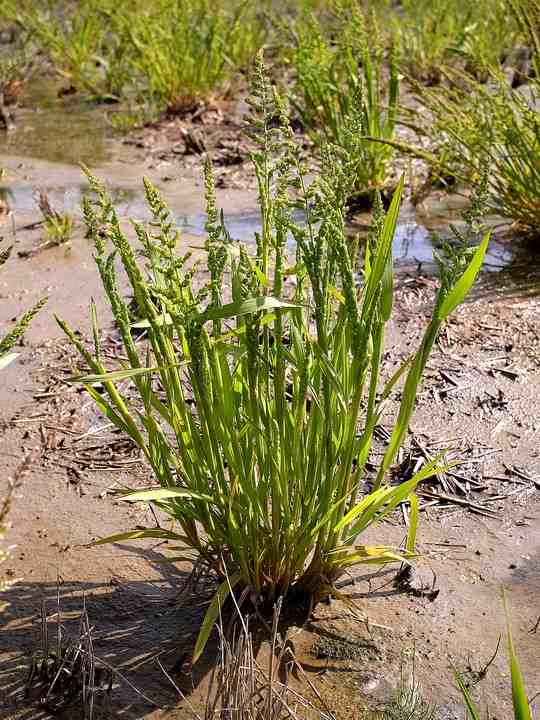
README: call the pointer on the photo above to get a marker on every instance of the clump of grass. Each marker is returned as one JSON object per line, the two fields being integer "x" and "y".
{"x": 137, "y": 115}
{"x": 408, "y": 703}
{"x": 65, "y": 670}
{"x": 58, "y": 226}
{"x": 16, "y": 68}
{"x": 255, "y": 408}
{"x": 342, "y": 94}
{"x": 77, "y": 39}
{"x": 491, "y": 127}
{"x": 172, "y": 54}
{"x": 435, "y": 34}
{"x": 186, "y": 52}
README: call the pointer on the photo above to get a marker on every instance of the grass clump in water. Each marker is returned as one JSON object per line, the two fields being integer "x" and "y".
{"x": 77, "y": 39}
{"x": 435, "y": 34}
{"x": 186, "y": 52}
{"x": 342, "y": 95}
{"x": 256, "y": 409}
{"x": 494, "y": 127}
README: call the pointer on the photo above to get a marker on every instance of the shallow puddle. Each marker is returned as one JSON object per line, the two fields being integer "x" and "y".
{"x": 53, "y": 135}
{"x": 60, "y": 130}
{"x": 414, "y": 242}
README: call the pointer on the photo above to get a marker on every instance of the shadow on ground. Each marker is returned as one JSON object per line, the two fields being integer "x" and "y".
{"x": 138, "y": 626}
{"x": 136, "y": 623}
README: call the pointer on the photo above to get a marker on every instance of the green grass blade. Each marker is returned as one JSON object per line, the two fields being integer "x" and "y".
{"x": 246, "y": 307}
{"x": 413, "y": 522}
{"x": 95, "y": 328}
{"x": 522, "y": 711}
{"x": 460, "y": 290}
{"x": 469, "y": 704}
{"x": 213, "y": 612}
{"x": 158, "y": 494}
{"x": 118, "y": 375}
{"x": 141, "y": 535}
{"x": 395, "y": 378}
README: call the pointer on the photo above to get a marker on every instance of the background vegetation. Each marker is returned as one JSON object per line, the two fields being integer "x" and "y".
{"x": 351, "y": 69}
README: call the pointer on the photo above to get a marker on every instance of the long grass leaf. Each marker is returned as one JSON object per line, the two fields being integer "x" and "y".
{"x": 212, "y": 614}
{"x": 246, "y": 307}
{"x": 458, "y": 293}
{"x": 158, "y": 494}
{"x": 141, "y": 535}
{"x": 522, "y": 711}
{"x": 469, "y": 704}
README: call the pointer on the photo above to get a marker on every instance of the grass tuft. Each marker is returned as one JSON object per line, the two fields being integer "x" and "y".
{"x": 255, "y": 408}
{"x": 344, "y": 93}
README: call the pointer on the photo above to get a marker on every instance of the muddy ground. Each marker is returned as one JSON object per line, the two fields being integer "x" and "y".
{"x": 480, "y": 531}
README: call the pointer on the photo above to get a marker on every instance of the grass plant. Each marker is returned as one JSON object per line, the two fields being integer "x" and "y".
{"x": 492, "y": 127}
{"x": 255, "y": 407}
{"x": 65, "y": 671}
{"x": 435, "y": 34}
{"x": 16, "y": 68}
{"x": 58, "y": 225}
{"x": 170, "y": 53}
{"x": 75, "y": 37}
{"x": 186, "y": 52}
{"x": 342, "y": 94}
{"x": 408, "y": 702}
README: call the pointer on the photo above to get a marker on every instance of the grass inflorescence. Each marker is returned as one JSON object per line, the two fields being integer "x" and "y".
{"x": 11, "y": 338}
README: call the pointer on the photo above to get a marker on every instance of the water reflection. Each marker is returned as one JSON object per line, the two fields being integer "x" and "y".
{"x": 67, "y": 131}
{"x": 414, "y": 243}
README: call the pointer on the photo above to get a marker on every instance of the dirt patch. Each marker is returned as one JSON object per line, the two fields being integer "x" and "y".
{"x": 214, "y": 129}
{"x": 329, "y": 647}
